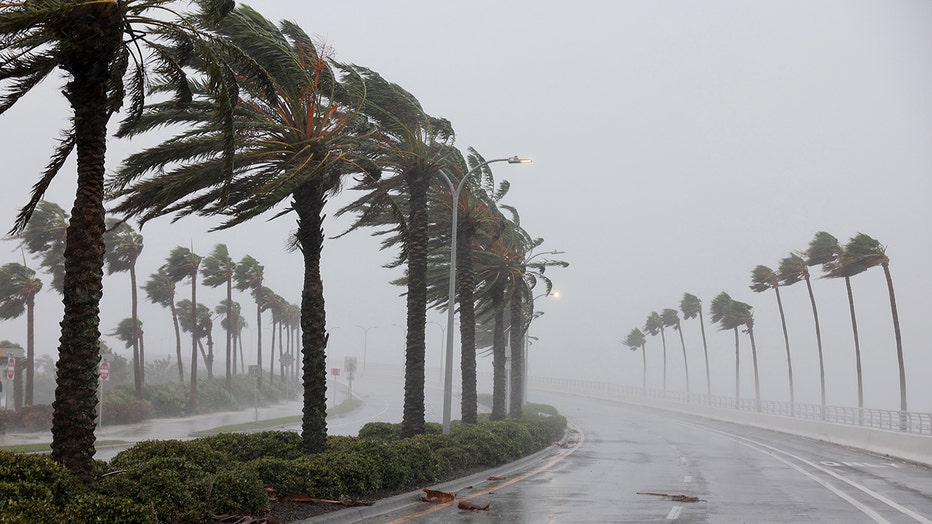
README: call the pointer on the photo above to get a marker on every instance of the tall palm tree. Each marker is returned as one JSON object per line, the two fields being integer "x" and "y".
{"x": 124, "y": 245}
{"x": 233, "y": 323}
{"x": 744, "y": 315}
{"x": 861, "y": 253}
{"x": 825, "y": 250}
{"x": 95, "y": 44}
{"x": 722, "y": 313}
{"x": 413, "y": 146}
{"x": 636, "y": 340}
{"x": 274, "y": 304}
{"x": 297, "y": 133}
{"x": 129, "y": 331}
{"x": 249, "y": 274}
{"x": 203, "y": 328}
{"x": 792, "y": 270}
{"x": 183, "y": 263}
{"x": 160, "y": 289}
{"x": 217, "y": 269}
{"x": 654, "y": 326}
{"x": 691, "y": 307}
{"x": 762, "y": 279}
{"x": 44, "y": 236}
{"x": 18, "y": 288}
{"x": 670, "y": 318}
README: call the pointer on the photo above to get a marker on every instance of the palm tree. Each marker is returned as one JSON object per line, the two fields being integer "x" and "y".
{"x": 792, "y": 270}
{"x": 232, "y": 323}
{"x": 743, "y": 314}
{"x": 95, "y": 44}
{"x": 297, "y": 134}
{"x": 160, "y": 289}
{"x": 44, "y": 236}
{"x": 723, "y": 314}
{"x": 691, "y": 307}
{"x": 860, "y": 254}
{"x": 762, "y": 279}
{"x": 670, "y": 318}
{"x": 825, "y": 250}
{"x": 18, "y": 289}
{"x": 124, "y": 245}
{"x": 129, "y": 331}
{"x": 273, "y": 303}
{"x": 249, "y": 274}
{"x": 654, "y": 326}
{"x": 183, "y": 263}
{"x": 636, "y": 340}
{"x": 202, "y": 329}
{"x": 413, "y": 146}
{"x": 218, "y": 269}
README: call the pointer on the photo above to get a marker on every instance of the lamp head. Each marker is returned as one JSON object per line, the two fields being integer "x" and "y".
{"x": 516, "y": 160}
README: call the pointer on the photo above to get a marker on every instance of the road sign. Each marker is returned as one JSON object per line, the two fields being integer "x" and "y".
{"x": 335, "y": 372}
{"x": 105, "y": 371}
{"x": 10, "y": 368}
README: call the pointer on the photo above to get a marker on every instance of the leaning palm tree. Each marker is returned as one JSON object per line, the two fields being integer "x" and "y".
{"x": 44, "y": 236}
{"x": 762, "y": 279}
{"x": 743, "y": 314}
{"x": 825, "y": 250}
{"x": 297, "y": 134}
{"x": 636, "y": 340}
{"x": 233, "y": 323}
{"x": 201, "y": 328}
{"x": 670, "y": 318}
{"x": 129, "y": 331}
{"x": 217, "y": 269}
{"x": 860, "y": 254}
{"x": 654, "y": 326}
{"x": 691, "y": 307}
{"x": 249, "y": 274}
{"x": 18, "y": 289}
{"x": 722, "y": 313}
{"x": 95, "y": 44}
{"x": 792, "y": 270}
{"x": 124, "y": 245}
{"x": 183, "y": 263}
{"x": 160, "y": 289}
{"x": 413, "y": 146}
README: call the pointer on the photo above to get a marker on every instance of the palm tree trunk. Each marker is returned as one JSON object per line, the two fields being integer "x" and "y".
{"x": 413, "y": 413}
{"x": 30, "y": 348}
{"x": 786, "y": 340}
{"x": 499, "y": 409}
{"x": 516, "y": 341}
{"x": 209, "y": 357}
{"x": 138, "y": 370}
{"x": 230, "y": 366}
{"x": 644, "y": 371}
{"x": 896, "y": 333}
{"x": 309, "y": 204}
{"x": 663, "y": 342}
{"x": 685, "y": 362}
{"x": 469, "y": 406}
{"x": 193, "y": 393}
{"x": 756, "y": 375}
{"x": 98, "y": 26}
{"x": 272, "y": 355}
{"x": 737, "y": 371}
{"x": 818, "y": 333}
{"x": 259, "y": 334}
{"x": 705, "y": 352}
{"x": 177, "y": 342}
{"x": 857, "y": 347}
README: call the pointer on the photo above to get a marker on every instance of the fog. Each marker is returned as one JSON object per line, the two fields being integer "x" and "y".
{"x": 676, "y": 146}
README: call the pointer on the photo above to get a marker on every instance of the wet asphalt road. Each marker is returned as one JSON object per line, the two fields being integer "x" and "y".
{"x": 739, "y": 474}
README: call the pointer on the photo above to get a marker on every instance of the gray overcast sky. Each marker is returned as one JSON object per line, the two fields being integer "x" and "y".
{"x": 676, "y": 145}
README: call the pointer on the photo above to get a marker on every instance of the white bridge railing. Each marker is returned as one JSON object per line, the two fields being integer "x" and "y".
{"x": 902, "y": 421}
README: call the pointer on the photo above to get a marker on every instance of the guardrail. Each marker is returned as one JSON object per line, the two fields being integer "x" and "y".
{"x": 901, "y": 421}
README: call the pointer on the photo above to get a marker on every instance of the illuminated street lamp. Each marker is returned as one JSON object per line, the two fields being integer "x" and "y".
{"x": 455, "y": 190}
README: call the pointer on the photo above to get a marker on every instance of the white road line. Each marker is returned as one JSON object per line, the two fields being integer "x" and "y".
{"x": 674, "y": 512}
{"x": 687, "y": 479}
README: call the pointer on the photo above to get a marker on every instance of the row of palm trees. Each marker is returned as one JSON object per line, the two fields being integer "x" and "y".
{"x": 859, "y": 254}
{"x": 263, "y": 117}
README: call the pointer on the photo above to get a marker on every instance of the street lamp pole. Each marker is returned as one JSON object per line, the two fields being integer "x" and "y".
{"x": 455, "y": 191}
{"x": 443, "y": 338}
{"x": 365, "y": 345}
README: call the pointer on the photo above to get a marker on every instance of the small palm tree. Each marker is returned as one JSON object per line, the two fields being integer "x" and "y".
{"x": 199, "y": 331}
{"x": 792, "y": 270}
{"x": 44, "y": 236}
{"x": 654, "y": 326}
{"x": 670, "y": 318}
{"x": 636, "y": 340}
{"x": 129, "y": 331}
{"x": 183, "y": 263}
{"x": 160, "y": 289}
{"x": 743, "y": 314}
{"x": 217, "y": 269}
{"x": 248, "y": 275}
{"x": 233, "y": 323}
{"x": 762, "y": 279}
{"x": 722, "y": 313}
{"x": 18, "y": 289}
{"x": 691, "y": 307}
{"x": 124, "y": 245}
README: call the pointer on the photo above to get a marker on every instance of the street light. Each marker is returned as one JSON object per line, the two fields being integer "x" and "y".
{"x": 455, "y": 190}
{"x": 443, "y": 337}
{"x": 365, "y": 345}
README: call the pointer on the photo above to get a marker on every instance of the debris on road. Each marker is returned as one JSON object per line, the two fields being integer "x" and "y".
{"x": 674, "y": 498}
{"x": 465, "y": 504}
{"x": 495, "y": 479}
{"x": 435, "y": 496}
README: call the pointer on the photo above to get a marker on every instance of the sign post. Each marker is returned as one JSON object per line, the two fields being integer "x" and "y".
{"x": 104, "y": 376}
{"x": 254, "y": 373}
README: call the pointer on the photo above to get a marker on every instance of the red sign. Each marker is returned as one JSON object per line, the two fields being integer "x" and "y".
{"x": 104, "y": 370}
{"x": 335, "y": 371}
{"x": 10, "y": 368}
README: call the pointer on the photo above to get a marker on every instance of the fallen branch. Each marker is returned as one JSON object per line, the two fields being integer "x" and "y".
{"x": 674, "y": 498}
{"x": 465, "y": 504}
{"x": 433, "y": 495}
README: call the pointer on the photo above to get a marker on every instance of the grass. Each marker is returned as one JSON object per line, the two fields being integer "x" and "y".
{"x": 47, "y": 447}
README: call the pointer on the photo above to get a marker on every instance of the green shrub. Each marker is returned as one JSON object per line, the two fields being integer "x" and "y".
{"x": 281, "y": 475}
{"x": 33, "y": 418}
{"x": 127, "y": 412}
{"x": 242, "y": 447}
{"x": 6, "y": 418}
{"x": 94, "y": 507}
{"x": 167, "y": 400}
{"x": 194, "y": 451}
{"x": 172, "y": 486}
{"x": 385, "y": 431}
{"x": 237, "y": 492}
{"x": 28, "y": 511}
{"x": 212, "y": 395}
{"x": 39, "y": 470}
